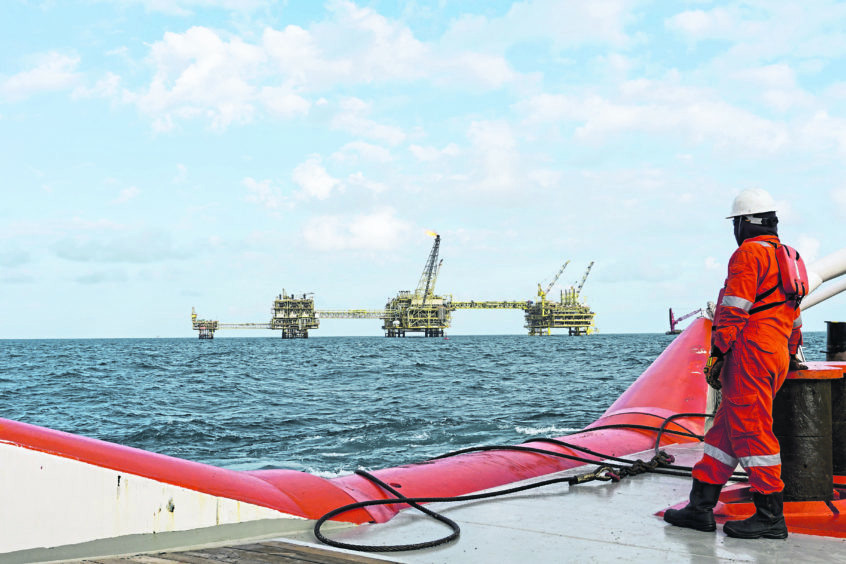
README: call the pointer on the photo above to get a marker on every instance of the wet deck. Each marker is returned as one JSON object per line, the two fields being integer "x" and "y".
{"x": 593, "y": 522}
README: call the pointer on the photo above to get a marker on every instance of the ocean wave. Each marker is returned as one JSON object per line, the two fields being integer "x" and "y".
{"x": 324, "y": 405}
{"x": 329, "y": 474}
{"x": 545, "y": 430}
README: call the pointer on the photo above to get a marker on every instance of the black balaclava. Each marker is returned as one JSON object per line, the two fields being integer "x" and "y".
{"x": 745, "y": 229}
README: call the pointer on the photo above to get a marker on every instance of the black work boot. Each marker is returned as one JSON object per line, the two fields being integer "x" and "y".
{"x": 768, "y": 521}
{"x": 699, "y": 513}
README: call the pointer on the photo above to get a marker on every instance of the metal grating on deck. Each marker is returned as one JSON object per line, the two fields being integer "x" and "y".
{"x": 269, "y": 552}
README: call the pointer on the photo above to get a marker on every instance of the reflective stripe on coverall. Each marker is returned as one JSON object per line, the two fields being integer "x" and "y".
{"x": 756, "y": 346}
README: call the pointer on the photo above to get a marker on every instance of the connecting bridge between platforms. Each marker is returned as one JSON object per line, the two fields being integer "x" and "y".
{"x": 294, "y": 316}
{"x": 420, "y": 311}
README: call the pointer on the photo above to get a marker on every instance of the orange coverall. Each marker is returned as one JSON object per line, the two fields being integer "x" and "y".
{"x": 756, "y": 343}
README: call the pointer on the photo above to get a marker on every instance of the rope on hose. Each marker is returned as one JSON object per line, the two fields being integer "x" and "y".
{"x": 661, "y": 463}
{"x": 736, "y": 476}
{"x": 663, "y": 428}
{"x": 604, "y": 472}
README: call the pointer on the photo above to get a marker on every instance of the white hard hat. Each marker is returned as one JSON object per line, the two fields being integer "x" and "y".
{"x": 752, "y": 201}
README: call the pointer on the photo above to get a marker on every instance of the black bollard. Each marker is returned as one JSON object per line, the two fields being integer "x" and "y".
{"x": 835, "y": 340}
{"x": 802, "y": 424}
{"x": 836, "y": 350}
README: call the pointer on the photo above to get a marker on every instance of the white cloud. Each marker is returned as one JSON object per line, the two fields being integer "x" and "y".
{"x": 281, "y": 102}
{"x": 107, "y": 242}
{"x": 199, "y": 74}
{"x": 203, "y": 73}
{"x": 495, "y": 156}
{"x": 358, "y": 179}
{"x": 838, "y": 196}
{"x": 102, "y": 276}
{"x": 314, "y": 180}
{"x": 491, "y": 161}
{"x": 361, "y": 150}
{"x": 545, "y": 178}
{"x": 53, "y": 71}
{"x": 181, "y": 174}
{"x": 712, "y": 264}
{"x": 378, "y": 48}
{"x": 106, "y": 87}
{"x": 668, "y": 112}
{"x": 356, "y": 45}
{"x": 295, "y": 54}
{"x": 265, "y": 194}
{"x": 718, "y": 23}
{"x": 615, "y": 65}
{"x": 352, "y": 118}
{"x": 126, "y": 194}
{"x": 808, "y": 247}
{"x": 565, "y": 24}
{"x": 187, "y": 7}
{"x": 476, "y": 69}
{"x": 786, "y": 211}
{"x": 763, "y": 32}
{"x": 430, "y": 154}
{"x": 779, "y": 75}
{"x": 777, "y": 86}
{"x": 377, "y": 231}
{"x": 822, "y": 131}
{"x": 165, "y": 122}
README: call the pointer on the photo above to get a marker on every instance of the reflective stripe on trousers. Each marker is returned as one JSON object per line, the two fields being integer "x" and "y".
{"x": 760, "y": 460}
{"x": 721, "y": 456}
{"x": 745, "y": 461}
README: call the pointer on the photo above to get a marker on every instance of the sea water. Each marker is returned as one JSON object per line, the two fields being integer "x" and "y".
{"x": 325, "y": 405}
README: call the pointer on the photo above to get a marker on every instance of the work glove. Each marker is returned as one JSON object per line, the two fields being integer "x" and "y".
{"x": 796, "y": 364}
{"x": 713, "y": 367}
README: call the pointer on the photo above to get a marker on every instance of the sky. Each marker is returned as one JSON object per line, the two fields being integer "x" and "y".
{"x": 160, "y": 155}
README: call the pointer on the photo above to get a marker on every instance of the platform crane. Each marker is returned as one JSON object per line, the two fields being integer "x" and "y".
{"x": 582, "y": 283}
{"x": 571, "y": 295}
{"x": 426, "y": 286}
{"x": 541, "y": 292}
{"x": 676, "y": 320}
{"x": 435, "y": 276}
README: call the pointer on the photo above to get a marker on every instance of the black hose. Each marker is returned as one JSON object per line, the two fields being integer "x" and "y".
{"x": 577, "y": 447}
{"x": 521, "y": 448}
{"x": 663, "y": 430}
{"x": 414, "y": 502}
{"x": 666, "y": 469}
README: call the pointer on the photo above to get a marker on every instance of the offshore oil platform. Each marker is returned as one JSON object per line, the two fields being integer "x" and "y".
{"x": 421, "y": 311}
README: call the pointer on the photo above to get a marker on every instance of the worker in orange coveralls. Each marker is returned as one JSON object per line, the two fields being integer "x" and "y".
{"x": 755, "y": 339}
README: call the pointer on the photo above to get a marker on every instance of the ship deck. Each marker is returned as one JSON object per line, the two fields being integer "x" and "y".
{"x": 591, "y": 522}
